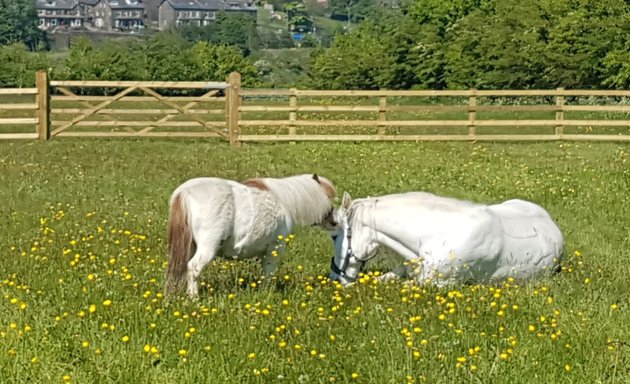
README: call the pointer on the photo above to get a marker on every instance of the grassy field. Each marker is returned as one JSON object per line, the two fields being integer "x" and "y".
{"x": 83, "y": 256}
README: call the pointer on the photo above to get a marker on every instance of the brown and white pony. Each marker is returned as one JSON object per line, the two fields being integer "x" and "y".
{"x": 212, "y": 217}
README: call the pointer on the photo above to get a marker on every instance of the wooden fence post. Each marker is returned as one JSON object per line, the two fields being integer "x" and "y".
{"x": 293, "y": 102}
{"x": 43, "y": 105}
{"x": 382, "y": 111}
{"x": 232, "y": 104}
{"x": 559, "y": 114}
{"x": 472, "y": 113}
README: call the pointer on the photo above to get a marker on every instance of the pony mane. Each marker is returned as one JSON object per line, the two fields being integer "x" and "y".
{"x": 307, "y": 198}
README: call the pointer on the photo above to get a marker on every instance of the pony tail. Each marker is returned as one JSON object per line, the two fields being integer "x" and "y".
{"x": 179, "y": 246}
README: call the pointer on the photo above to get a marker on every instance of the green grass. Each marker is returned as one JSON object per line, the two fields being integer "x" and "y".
{"x": 84, "y": 222}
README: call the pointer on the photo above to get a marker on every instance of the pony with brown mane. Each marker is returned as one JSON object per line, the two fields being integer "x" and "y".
{"x": 212, "y": 217}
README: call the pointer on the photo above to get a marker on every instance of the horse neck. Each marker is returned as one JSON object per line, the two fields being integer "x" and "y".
{"x": 304, "y": 201}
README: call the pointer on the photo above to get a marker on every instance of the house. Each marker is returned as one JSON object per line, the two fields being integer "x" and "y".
{"x": 55, "y": 14}
{"x": 198, "y": 12}
{"x": 127, "y": 14}
{"x": 151, "y": 9}
{"x": 114, "y": 15}
{"x": 98, "y": 14}
{"x": 105, "y": 15}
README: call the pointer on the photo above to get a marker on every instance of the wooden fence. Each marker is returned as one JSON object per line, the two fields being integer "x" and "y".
{"x": 223, "y": 110}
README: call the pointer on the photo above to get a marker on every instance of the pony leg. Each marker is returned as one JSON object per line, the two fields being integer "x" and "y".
{"x": 270, "y": 265}
{"x": 269, "y": 261}
{"x": 204, "y": 255}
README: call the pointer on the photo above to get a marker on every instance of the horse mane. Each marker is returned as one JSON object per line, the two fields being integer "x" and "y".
{"x": 307, "y": 198}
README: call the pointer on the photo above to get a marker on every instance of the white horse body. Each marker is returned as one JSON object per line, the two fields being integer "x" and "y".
{"x": 448, "y": 240}
{"x": 216, "y": 217}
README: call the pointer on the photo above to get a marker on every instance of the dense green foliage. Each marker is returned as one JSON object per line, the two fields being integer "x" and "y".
{"x": 236, "y": 29}
{"x": 84, "y": 245}
{"x": 422, "y": 44}
{"x": 352, "y": 10}
{"x": 18, "y": 65}
{"x": 484, "y": 44}
{"x": 18, "y": 24}
{"x": 298, "y": 18}
{"x": 165, "y": 57}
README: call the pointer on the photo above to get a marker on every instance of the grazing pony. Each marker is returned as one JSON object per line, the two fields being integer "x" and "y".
{"x": 212, "y": 217}
{"x": 444, "y": 240}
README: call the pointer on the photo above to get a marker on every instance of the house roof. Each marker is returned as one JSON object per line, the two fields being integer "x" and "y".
{"x": 56, "y": 4}
{"x": 125, "y": 4}
{"x": 210, "y": 5}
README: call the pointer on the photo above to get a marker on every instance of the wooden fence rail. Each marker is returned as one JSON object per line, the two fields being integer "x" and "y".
{"x": 224, "y": 110}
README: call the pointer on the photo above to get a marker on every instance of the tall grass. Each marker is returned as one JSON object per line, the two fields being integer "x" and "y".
{"x": 83, "y": 252}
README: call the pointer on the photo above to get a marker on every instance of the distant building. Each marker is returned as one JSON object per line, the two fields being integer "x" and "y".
{"x": 65, "y": 14}
{"x": 105, "y": 15}
{"x": 98, "y": 14}
{"x": 198, "y": 12}
{"x": 151, "y": 9}
{"x": 127, "y": 14}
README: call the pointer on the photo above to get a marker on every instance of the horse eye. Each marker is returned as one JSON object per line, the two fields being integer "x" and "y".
{"x": 334, "y": 237}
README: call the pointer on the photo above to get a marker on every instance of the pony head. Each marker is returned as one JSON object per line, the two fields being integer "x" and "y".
{"x": 353, "y": 246}
{"x": 327, "y": 221}
{"x": 307, "y": 198}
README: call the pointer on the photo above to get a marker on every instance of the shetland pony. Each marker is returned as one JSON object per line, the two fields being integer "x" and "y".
{"x": 212, "y": 217}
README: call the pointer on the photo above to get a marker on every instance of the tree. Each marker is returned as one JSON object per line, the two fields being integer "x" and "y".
{"x": 502, "y": 47}
{"x": 298, "y": 18}
{"x": 18, "y": 65}
{"x": 616, "y": 68}
{"x": 111, "y": 61}
{"x": 353, "y": 10}
{"x": 358, "y": 60}
{"x": 163, "y": 57}
{"x": 229, "y": 28}
{"x": 585, "y": 42}
{"x": 166, "y": 57}
{"x": 216, "y": 62}
{"x": 20, "y": 24}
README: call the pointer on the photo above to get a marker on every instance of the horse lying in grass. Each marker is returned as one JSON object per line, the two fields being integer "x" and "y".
{"x": 444, "y": 240}
{"x": 212, "y": 217}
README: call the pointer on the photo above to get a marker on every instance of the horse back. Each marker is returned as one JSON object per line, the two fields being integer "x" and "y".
{"x": 523, "y": 219}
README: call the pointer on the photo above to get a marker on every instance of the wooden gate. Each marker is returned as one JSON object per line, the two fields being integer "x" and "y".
{"x": 138, "y": 109}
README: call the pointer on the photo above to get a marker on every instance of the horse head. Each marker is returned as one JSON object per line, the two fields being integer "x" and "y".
{"x": 353, "y": 246}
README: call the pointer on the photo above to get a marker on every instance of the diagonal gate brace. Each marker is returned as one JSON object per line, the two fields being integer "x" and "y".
{"x": 97, "y": 108}
{"x": 182, "y": 110}
{"x": 171, "y": 116}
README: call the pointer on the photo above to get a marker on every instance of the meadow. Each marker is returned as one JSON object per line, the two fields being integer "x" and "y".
{"x": 83, "y": 253}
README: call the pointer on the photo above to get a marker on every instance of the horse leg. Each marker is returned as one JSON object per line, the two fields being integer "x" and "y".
{"x": 399, "y": 272}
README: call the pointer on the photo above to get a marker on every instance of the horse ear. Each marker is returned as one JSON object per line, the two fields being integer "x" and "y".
{"x": 346, "y": 200}
{"x": 315, "y": 177}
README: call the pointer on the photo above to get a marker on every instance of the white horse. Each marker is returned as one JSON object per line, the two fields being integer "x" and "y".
{"x": 444, "y": 240}
{"x": 216, "y": 217}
